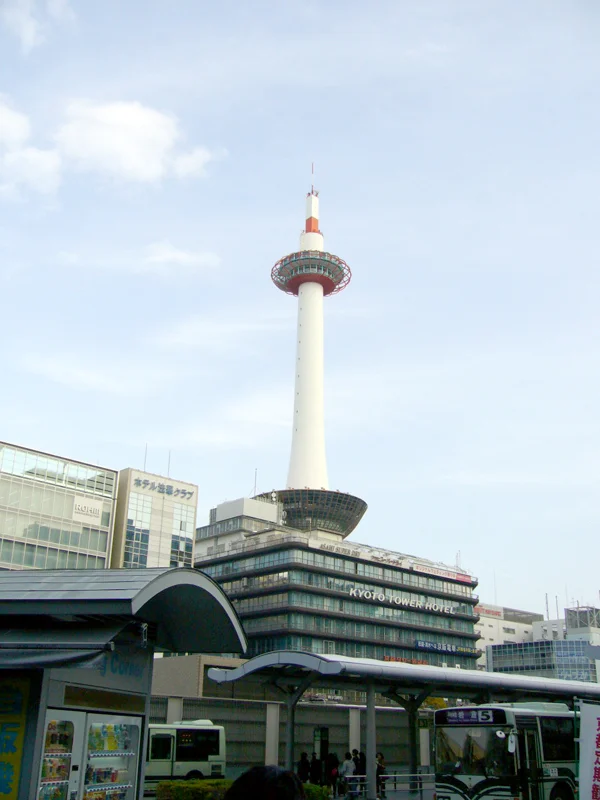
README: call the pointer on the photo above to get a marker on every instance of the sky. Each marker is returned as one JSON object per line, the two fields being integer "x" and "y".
{"x": 154, "y": 159}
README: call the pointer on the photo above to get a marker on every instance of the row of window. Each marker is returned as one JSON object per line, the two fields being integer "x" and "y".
{"x": 20, "y": 502}
{"x": 234, "y": 524}
{"x": 347, "y": 628}
{"x": 331, "y": 582}
{"x": 351, "y": 607}
{"x": 19, "y": 554}
{"x": 39, "y": 467}
{"x": 334, "y": 564}
{"x": 353, "y": 649}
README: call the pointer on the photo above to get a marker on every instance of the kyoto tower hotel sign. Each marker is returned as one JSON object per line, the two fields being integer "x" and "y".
{"x": 312, "y": 274}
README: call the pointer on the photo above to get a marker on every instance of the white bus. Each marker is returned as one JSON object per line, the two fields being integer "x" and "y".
{"x": 515, "y": 750}
{"x": 184, "y": 750}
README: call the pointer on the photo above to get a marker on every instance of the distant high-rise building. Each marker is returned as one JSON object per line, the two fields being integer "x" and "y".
{"x": 568, "y": 649}
{"x": 500, "y": 625}
{"x": 55, "y": 513}
{"x": 155, "y": 521}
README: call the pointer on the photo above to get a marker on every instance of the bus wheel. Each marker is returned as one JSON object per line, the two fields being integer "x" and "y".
{"x": 196, "y": 776}
{"x": 561, "y": 793}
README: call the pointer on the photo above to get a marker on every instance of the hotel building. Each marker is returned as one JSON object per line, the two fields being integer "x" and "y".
{"x": 307, "y": 590}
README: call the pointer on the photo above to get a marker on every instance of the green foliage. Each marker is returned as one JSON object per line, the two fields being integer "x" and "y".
{"x": 316, "y": 792}
{"x": 192, "y": 790}
{"x": 215, "y": 790}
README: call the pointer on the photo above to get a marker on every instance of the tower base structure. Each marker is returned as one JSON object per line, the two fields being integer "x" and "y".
{"x": 319, "y": 509}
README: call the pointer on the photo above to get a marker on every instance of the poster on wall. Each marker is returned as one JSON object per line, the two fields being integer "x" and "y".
{"x": 14, "y": 696}
{"x": 589, "y": 751}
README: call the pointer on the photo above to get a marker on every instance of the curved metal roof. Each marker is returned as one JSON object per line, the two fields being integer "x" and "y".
{"x": 187, "y": 610}
{"x": 288, "y": 667}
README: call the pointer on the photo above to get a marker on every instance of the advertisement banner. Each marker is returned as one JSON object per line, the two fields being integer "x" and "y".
{"x": 14, "y": 696}
{"x": 589, "y": 751}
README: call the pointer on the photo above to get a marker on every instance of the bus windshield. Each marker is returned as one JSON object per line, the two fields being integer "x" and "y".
{"x": 474, "y": 750}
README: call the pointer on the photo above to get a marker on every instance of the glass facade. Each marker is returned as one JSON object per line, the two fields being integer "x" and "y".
{"x": 569, "y": 660}
{"x": 155, "y": 522}
{"x": 301, "y": 598}
{"x": 54, "y": 513}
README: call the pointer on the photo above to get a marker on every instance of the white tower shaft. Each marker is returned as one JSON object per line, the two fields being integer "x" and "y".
{"x": 308, "y": 463}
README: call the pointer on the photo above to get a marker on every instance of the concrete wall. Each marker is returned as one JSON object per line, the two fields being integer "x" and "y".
{"x": 246, "y": 730}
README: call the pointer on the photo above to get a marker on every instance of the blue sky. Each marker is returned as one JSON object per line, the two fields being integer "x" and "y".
{"x": 154, "y": 159}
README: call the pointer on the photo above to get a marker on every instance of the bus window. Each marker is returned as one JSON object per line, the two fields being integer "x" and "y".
{"x": 558, "y": 742}
{"x": 196, "y": 745}
{"x": 161, "y": 746}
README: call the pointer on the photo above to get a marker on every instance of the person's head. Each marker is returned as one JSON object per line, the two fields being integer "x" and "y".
{"x": 266, "y": 783}
{"x": 314, "y": 755}
{"x": 379, "y": 756}
{"x": 355, "y": 752}
{"x": 304, "y": 756}
{"x": 348, "y": 756}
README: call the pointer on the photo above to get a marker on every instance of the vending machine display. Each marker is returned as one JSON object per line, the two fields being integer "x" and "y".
{"x": 111, "y": 759}
{"x": 56, "y": 760}
{"x": 89, "y": 756}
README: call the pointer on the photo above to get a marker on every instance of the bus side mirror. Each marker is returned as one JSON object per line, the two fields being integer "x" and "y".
{"x": 512, "y": 743}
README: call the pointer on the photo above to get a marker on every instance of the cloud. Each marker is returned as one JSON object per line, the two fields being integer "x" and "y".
{"x": 163, "y": 254}
{"x": 193, "y": 164}
{"x": 162, "y": 259}
{"x": 124, "y": 379}
{"x": 127, "y": 140}
{"x": 215, "y": 332}
{"x": 21, "y": 165}
{"x": 31, "y": 168}
{"x": 25, "y": 19}
{"x": 15, "y": 129}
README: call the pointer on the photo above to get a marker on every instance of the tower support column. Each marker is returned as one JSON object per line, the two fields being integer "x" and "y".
{"x": 308, "y": 463}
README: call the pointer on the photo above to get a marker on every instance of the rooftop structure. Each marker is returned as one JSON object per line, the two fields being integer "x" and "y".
{"x": 312, "y": 274}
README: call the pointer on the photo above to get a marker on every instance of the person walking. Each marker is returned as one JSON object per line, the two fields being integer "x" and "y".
{"x": 315, "y": 770}
{"x": 304, "y": 768}
{"x": 331, "y": 773}
{"x": 380, "y": 775}
{"x": 346, "y": 773}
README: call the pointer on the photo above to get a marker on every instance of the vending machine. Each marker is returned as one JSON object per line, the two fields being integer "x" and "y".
{"x": 89, "y": 756}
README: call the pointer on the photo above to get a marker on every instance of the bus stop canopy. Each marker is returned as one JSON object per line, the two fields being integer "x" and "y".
{"x": 292, "y": 669}
{"x": 407, "y": 684}
{"x": 60, "y": 617}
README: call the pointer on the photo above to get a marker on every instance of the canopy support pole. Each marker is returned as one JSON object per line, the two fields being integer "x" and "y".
{"x": 371, "y": 744}
{"x": 411, "y": 705}
{"x": 291, "y": 700}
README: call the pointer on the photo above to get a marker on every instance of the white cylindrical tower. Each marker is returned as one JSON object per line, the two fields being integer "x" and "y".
{"x": 310, "y": 274}
{"x": 308, "y": 463}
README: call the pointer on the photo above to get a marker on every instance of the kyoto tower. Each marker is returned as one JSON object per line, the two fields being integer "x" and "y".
{"x": 310, "y": 274}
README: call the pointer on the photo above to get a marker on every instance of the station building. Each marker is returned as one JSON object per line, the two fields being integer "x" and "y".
{"x": 308, "y": 589}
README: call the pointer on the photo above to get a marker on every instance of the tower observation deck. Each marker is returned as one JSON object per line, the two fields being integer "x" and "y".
{"x": 311, "y": 274}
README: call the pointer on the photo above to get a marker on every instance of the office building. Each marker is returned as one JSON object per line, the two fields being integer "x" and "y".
{"x": 55, "y": 513}
{"x": 500, "y": 625}
{"x": 310, "y": 590}
{"x": 155, "y": 521}
{"x": 572, "y": 654}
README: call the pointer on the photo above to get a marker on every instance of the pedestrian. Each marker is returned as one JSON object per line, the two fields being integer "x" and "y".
{"x": 346, "y": 773}
{"x": 380, "y": 775}
{"x": 355, "y": 758}
{"x": 362, "y": 770}
{"x": 315, "y": 770}
{"x": 304, "y": 768}
{"x": 331, "y": 773}
{"x": 266, "y": 783}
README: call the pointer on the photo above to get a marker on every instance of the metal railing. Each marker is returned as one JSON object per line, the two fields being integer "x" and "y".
{"x": 394, "y": 786}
